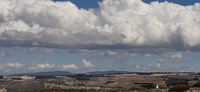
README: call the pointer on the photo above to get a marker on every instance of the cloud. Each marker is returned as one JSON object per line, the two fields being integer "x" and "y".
{"x": 128, "y": 26}
{"x": 69, "y": 67}
{"x": 2, "y": 54}
{"x": 9, "y": 68}
{"x": 137, "y": 66}
{"x": 166, "y": 68}
{"x": 15, "y": 65}
{"x": 148, "y": 55}
{"x": 172, "y": 57}
{"x": 52, "y": 67}
{"x": 14, "y": 68}
{"x": 41, "y": 67}
{"x": 40, "y": 50}
{"x": 87, "y": 64}
{"x": 177, "y": 56}
{"x": 158, "y": 65}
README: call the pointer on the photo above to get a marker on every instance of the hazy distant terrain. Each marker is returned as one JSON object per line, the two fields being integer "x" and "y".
{"x": 99, "y": 82}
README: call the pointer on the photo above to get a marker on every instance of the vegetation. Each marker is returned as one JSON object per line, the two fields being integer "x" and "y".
{"x": 179, "y": 88}
{"x": 196, "y": 84}
{"x": 149, "y": 86}
{"x": 178, "y": 83}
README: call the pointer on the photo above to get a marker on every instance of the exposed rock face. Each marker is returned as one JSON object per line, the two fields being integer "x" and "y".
{"x": 25, "y": 86}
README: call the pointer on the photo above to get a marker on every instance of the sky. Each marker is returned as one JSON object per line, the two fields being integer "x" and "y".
{"x": 99, "y": 35}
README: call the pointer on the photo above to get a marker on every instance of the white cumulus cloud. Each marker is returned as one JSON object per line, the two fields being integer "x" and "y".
{"x": 52, "y": 67}
{"x": 15, "y": 65}
{"x": 15, "y": 68}
{"x": 128, "y": 26}
{"x": 69, "y": 67}
{"x": 41, "y": 67}
{"x": 87, "y": 63}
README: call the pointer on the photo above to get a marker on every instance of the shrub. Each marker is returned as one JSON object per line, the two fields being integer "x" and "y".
{"x": 179, "y": 88}
{"x": 132, "y": 89}
{"x": 179, "y": 83}
{"x": 196, "y": 84}
{"x": 149, "y": 86}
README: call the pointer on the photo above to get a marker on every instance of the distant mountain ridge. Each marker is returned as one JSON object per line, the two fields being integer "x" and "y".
{"x": 108, "y": 72}
{"x": 69, "y": 73}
